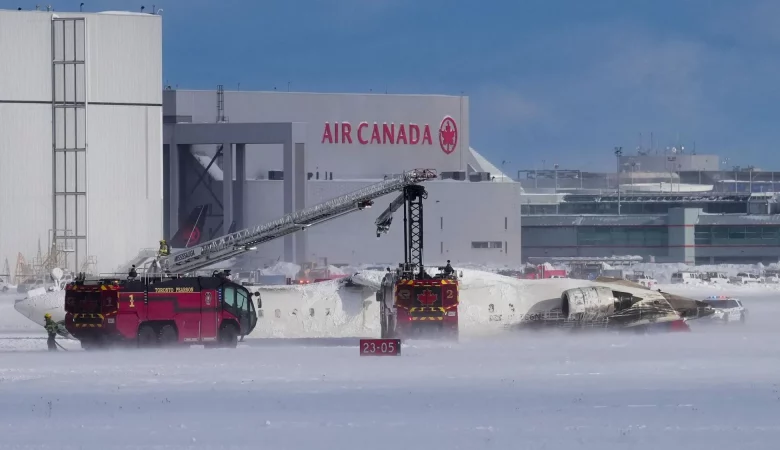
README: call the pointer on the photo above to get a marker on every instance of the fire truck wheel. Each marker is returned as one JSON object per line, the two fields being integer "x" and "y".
{"x": 146, "y": 336}
{"x": 168, "y": 336}
{"x": 228, "y": 336}
{"x": 453, "y": 333}
{"x": 392, "y": 331}
{"x": 383, "y": 324}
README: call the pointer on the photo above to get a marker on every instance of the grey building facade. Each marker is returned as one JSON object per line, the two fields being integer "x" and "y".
{"x": 683, "y": 234}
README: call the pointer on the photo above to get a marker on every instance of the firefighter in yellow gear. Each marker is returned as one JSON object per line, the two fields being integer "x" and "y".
{"x": 164, "y": 249}
{"x": 51, "y": 329}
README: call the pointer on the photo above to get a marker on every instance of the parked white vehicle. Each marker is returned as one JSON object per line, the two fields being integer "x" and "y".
{"x": 4, "y": 286}
{"x": 772, "y": 279}
{"x": 717, "y": 278}
{"x": 746, "y": 278}
{"x": 645, "y": 280}
{"x": 727, "y": 309}
{"x": 772, "y": 276}
{"x": 687, "y": 278}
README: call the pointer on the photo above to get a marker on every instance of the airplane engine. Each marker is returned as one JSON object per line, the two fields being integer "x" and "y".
{"x": 588, "y": 303}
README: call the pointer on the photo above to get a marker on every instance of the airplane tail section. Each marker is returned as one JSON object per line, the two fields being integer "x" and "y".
{"x": 191, "y": 231}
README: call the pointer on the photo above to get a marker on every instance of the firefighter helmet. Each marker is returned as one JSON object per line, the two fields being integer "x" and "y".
{"x": 47, "y": 316}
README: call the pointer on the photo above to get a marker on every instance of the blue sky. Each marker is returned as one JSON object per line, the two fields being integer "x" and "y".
{"x": 557, "y": 80}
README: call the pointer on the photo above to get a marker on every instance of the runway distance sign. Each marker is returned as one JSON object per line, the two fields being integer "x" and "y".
{"x": 380, "y": 347}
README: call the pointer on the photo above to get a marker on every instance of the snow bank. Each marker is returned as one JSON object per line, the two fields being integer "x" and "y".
{"x": 369, "y": 278}
{"x": 336, "y": 270}
{"x": 289, "y": 270}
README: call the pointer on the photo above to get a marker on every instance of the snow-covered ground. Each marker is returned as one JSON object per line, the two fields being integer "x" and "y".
{"x": 715, "y": 387}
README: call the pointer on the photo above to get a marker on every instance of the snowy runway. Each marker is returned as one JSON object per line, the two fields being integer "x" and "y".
{"x": 715, "y": 387}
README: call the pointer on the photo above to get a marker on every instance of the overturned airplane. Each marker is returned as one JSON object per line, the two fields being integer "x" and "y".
{"x": 614, "y": 303}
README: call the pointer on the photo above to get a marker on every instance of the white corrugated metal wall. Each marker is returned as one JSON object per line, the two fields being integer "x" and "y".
{"x": 123, "y": 135}
{"x": 25, "y": 134}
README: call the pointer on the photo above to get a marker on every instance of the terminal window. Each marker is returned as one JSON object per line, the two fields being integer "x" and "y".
{"x": 735, "y": 235}
{"x": 486, "y": 244}
{"x": 622, "y": 236}
{"x": 636, "y": 207}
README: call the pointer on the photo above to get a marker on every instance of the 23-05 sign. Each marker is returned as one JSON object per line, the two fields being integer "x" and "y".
{"x": 380, "y": 347}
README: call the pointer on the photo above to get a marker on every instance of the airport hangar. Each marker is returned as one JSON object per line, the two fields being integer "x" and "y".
{"x": 289, "y": 150}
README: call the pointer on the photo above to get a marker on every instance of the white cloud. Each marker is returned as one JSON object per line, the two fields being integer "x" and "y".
{"x": 506, "y": 104}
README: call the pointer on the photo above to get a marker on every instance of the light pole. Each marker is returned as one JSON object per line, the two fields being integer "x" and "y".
{"x": 618, "y": 154}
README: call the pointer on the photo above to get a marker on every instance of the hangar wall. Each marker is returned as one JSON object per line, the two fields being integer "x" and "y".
{"x": 80, "y": 136}
{"x": 345, "y": 159}
{"x": 459, "y": 224}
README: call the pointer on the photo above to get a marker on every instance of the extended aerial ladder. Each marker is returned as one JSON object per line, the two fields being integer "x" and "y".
{"x": 240, "y": 242}
{"x": 411, "y": 197}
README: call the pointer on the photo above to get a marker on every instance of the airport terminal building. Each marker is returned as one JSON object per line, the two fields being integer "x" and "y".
{"x": 682, "y": 209}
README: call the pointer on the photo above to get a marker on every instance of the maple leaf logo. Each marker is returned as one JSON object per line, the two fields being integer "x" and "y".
{"x": 448, "y": 135}
{"x": 193, "y": 237}
{"x": 427, "y": 297}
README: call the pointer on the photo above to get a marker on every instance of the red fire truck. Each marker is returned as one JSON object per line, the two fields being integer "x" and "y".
{"x": 541, "y": 272}
{"x": 158, "y": 310}
{"x": 412, "y": 302}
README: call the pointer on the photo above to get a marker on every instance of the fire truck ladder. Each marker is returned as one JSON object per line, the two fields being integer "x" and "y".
{"x": 234, "y": 244}
{"x": 412, "y": 197}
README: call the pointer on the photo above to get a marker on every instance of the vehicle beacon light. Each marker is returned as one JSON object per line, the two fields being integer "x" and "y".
{"x": 380, "y": 347}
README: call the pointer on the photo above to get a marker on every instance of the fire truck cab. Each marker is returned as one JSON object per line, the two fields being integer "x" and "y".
{"x": 159, "y": 310}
